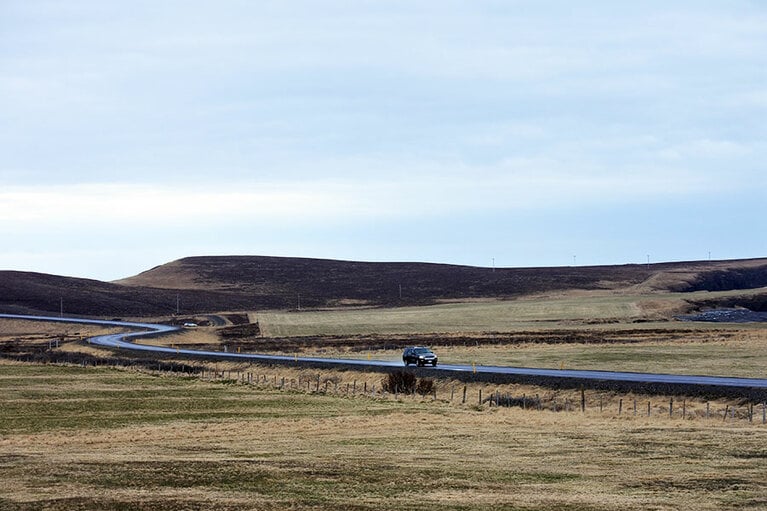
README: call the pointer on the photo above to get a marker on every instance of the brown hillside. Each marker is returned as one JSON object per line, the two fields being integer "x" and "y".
{"x": 38, "y": 293}
{"x": 322, "y": 282}
{"x": 211, "y": 284}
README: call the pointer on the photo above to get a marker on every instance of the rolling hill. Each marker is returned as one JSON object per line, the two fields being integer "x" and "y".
{"x": 209, "y": 284}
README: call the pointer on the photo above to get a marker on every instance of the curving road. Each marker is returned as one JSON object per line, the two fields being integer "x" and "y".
{"x": 124, "y": 341}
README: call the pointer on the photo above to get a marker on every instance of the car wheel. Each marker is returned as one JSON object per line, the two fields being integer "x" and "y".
{"x": 434, "y": 364}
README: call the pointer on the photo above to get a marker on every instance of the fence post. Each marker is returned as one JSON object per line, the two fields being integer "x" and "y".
{"x": 726, "y": 409}
{"x": 764, "y": 413}
{"x": 684, "y": 409}
{"x": 671, "y": 407}
{"x": 583, "y": 401}
{"x": 480, "y": 397}
{"x": 620, "y": 406}
{"x": 648, "y": 408}
{"x": 452, "y": 393}
{"x": 708, "y": 409}
{"x": 635, "y": 406}
{"x": 464, "y": 395}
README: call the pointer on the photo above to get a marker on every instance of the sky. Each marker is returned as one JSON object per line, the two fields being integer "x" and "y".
{"x": 507, "y": 133}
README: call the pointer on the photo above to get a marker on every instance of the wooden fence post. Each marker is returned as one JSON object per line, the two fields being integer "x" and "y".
{"x": 480, "y": 397}
{"x": 464, "y": 395}
{"x": 726, "y": 409}
{"x": 620, "y": 406}
{"x": 583, "y": 401}
{"x": 648, "y": 408}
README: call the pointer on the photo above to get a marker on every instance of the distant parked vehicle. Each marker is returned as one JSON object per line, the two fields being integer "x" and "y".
{"x": 419, "y": 356}
{"x": 190, "y": 325}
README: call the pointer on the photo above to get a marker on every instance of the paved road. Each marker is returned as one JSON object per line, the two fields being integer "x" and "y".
{"x": 124, "y": 341}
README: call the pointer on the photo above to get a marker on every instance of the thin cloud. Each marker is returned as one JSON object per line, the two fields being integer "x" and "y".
{"x": 336, "y": 117}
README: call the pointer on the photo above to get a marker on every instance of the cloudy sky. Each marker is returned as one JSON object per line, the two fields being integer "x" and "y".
{"x": 514, "y": 133}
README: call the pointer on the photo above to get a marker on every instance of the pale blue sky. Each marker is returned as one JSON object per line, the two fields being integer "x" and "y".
{"x": 134, "y": 133}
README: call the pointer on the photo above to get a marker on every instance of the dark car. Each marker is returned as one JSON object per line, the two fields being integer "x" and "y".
{"x": 419, "y": 356}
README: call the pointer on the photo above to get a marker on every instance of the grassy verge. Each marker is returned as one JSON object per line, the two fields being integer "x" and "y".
{"x": 74, "y": 438}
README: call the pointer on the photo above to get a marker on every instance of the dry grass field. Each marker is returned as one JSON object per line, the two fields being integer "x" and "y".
{"x": 76, "y": 438}
{"x": 563, "y": 310}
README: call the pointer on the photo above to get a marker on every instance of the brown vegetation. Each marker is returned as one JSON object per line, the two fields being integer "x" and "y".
{"x": 210, "y": 284}
{"x": 95, "y": 439}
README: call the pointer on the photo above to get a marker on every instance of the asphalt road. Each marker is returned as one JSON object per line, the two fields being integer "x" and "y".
{"x": 144, "y": 330}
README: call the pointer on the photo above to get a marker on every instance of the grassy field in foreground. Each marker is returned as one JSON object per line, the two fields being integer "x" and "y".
{"x": 87, "y": 439}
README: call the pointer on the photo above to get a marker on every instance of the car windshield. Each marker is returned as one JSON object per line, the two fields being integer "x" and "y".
{"x": 421, "y": 351}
